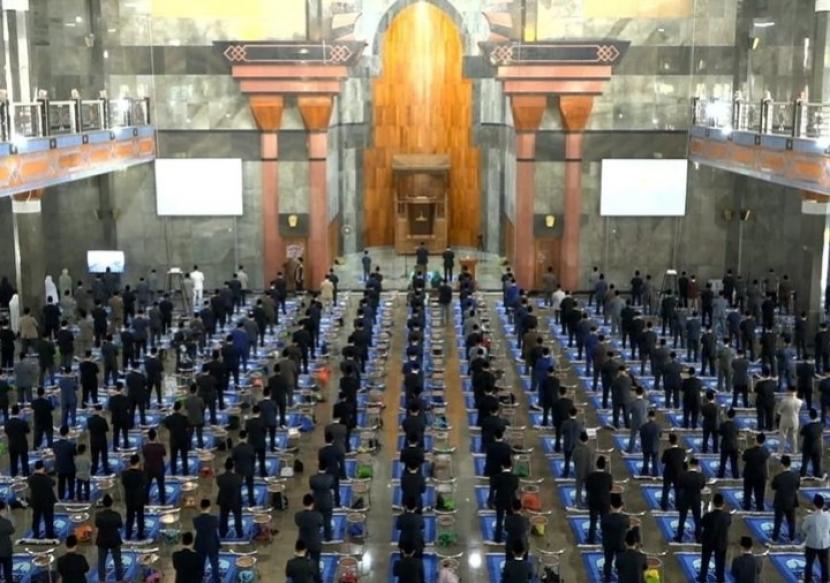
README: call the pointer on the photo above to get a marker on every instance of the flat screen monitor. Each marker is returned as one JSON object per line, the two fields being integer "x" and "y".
{"x": 643, "y": 188}
{"x": 98, "y": 261}
{"x": 199, "y": 187}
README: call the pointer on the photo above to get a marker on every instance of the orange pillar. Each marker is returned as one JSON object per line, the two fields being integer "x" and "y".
{"x": 527, "y": 116}
{"x": 267, "y": 111}
{"x": 575, "y": 111}
{"x": 316, "y": 113}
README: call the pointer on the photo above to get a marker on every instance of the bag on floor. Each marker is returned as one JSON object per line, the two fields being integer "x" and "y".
{"x": 279, "y": 502}
{"x": 84, "y": 533}
{"x": 538, "y": 529}
{"x": 531, "y": 501}
{"x": 447, "y": 575}
{"x": 358, "y": 504}
{"x": 652, "y": 576}
{"x": 298, "y": 466}
{"x": 365, "y": 472}
{"x": 550, "y": 576}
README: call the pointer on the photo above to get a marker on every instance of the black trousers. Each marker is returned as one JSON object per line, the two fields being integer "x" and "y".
{"x": 119, "y": 431}
{"x": 135, "y": 514}
{"x": 249, "y": 486}
{"x": 178, "y": 450}
{"x": 707, "y": 433}
{"x": 47, "y": 515}
{"x": 813, "y": 457}
{"x": 684, "y": 512}
{"x": 720, "y": 563}
{"x": 754, "y": 487}
{"x": 66, "y": 482}
{"x": 779, "y": 518}
{"x": 668, "y": 484}
{"x": 594, "y": 516}
{"x": 159, "y": 479}
{"x": 732, "y": 456}
{"x": 224, "y": 516}
{"x": 810, "y": 556}
{"x": 690, "y": 415}
{"x": 260, "y": 454}
{"x": 6, "y": 565}
{"x": 765, "y": 416}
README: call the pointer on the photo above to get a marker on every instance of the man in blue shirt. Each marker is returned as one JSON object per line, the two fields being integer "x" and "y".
{"x": 241, "y": 344}
{"x": 540, "y": 369}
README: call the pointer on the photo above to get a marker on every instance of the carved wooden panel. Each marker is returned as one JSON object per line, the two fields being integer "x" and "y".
{"x": 422, "y": 105}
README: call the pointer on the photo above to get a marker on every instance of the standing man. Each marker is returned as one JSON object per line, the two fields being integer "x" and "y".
{"x": 691, "y": 484}
{"x": 6, "y": 547}
{"x": 244, "y": 459}
{"x": 42, "y": 500}
{"x": 135, "y": 493}
{"x": 650, "y": 444}
{"x": 815, "y": 529}
{"x": 785, "y": 485}
{"x": 637, "y": 412}
{"x": 755, "y": 473}
{"x": 449, "y": 262}
{"x": 787, "y": 410}
{"x": 42, "y": 408}
{"x": 583, "y": 458}
{"x": 255, "y": 429}
{"x": 615, "y": 525}
{"x": 208, "y": 543}
{"x": 422, "y": 257}
{"x": 746, "y": 567}
{"x": 765, "y": 399}
{"x": 189, "y": 569}
{"x": 179, "y": 434}
{"x": 309, "y": 524}
{"x": 711, "y": 419}
{"x": 728, "y": 445}
{"x": 598, "y": 486}
{"x": 154, "y": 454}
{"x": 108, "y": 540}
{"x": 17, "y": 431}
{"x": 119, "y": 408}
{"x": 812, "y": 445}
{"x": 690, "y": 388}
{"x": 506, "y": 484}
{"x": 98, "y": 428}
{"x": 198, "y": 279}
{"x": 366, "y": 262}
{"x": 322, "y": 485}
{"x": 673, "y": 458}
{"x": 229, "y": 499}
{"x": 715, "y": 539}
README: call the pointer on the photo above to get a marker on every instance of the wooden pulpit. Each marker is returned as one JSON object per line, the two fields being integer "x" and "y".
{"x": 421, "y": 183}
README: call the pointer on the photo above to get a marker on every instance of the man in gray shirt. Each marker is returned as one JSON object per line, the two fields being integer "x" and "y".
{"x": 194, "y": 407}
{"x": 583, "y": 459}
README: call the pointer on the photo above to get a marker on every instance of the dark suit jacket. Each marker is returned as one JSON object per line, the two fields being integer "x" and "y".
{"x": 334, "y": 460}
{"x": 746, "y": 569}
{"x": 497, "y": 455}
{"x": 41, "y": 491}
{"x": 411, "y": 527}
{"x": 73, "y": 568}
{"x": 177, "y": 426}
{"x": 598, "y": 488}
{"x": 300, "y": 570}
{"x": 812, "y": 434}
{"x": 188, "y": 565}
{"x": 614, "y": 526}
{"x": 755, "y": 463}
{"x": 650, "y": 437}
{"x": 98, "y": 428}
{"x": 691, "y": 484}
{"x": 230, "y": 493}
{"x": 631, "y": 566}
{"x": 109, "y": 524}
{"x": 672, "y": 460}
{"x": 244, "y": 457}
{"x": 16, "y": 431}
{"x": 516, "y": 571}
{"x": 505, "y": 485}
{"x": 310, "y": 525}
{"x": 135, "y": 483}
{"x": 65, "y": 452}
{"x": 715, "y": 525}
{"x": 409, "y": 570}
{"x": 412, "y": 456}
{"x": 785, "y": 485}
{"x": 322, "y": 486}
{"x": 207, "y": 533}
{"x": 256, "y": 432}
{"x": 691, "y": 388}
{"x": 729, "y": 436}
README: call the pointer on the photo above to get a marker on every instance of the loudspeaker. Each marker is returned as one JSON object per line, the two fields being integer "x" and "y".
{"x": 745, "y": 214}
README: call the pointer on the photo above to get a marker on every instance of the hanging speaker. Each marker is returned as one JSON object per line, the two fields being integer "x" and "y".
{"x": 745, "y": 214}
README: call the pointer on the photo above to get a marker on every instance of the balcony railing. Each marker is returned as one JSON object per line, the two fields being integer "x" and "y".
{"x": 45, "y": 118}
{"x": 798, "y": 119}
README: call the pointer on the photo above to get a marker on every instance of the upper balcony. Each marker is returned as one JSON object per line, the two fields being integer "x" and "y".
{"x": 787, "y": 143}
{"x": 45, "y": 142}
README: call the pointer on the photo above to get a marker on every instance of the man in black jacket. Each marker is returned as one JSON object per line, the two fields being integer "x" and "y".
{"x": 334, "y": 459}
{"x": 229, "y": 499}
{"x": 711, "y": 417}
{"x": 206, "y": 526}
{"x": 561, "y": 408}
{"x": 244, "y": 459}
{"x": 755, "y": 473}
{"x": 88, "y": 370}
{"x": 728, "y": 445}
{"x": 137, "y": 395}
{"x": 300, "y": 568}
{"x": 715, "y": 538}
{"x": 497, "y": 455}
{"x": 631, "y": 563}
{"x": 673, "y": 458}
{"x": 614, "y": 527}
{"x": 691, "y": 484}
{"x": 189, "y": 569}
{"x": 322, "y": 486}
{"x": 785, "y": 485}
{"x": 119, "y": 407}
{"x": 154, "y": 369}
{"x": 17, "y": 430}
{"x": 309, "y": 523}
{"x": 179, "y": 433}
{"x": 811, "y": 444}
{"x": 42, "y": 408}
{"x": 42, "y": 500}
{"x": 72, "y": 566}
{"x": 746, "y": 567}
{"x": 598, "y": 486}
{"x": 690, "y": 388}
{"x": 255, "y": 429}
{"x": 765, "y": 400}
{"x": 505, "y": 484}
{"x": 108, "y": 540}
{"x": 135, "y": 491}
{"x": 98, "y": 427}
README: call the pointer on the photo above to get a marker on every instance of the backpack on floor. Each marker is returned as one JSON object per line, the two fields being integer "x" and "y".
{"x": 279, "y": 501}
{"x": 298, "y": 466}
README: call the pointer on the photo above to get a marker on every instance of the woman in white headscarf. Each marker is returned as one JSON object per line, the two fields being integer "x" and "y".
{"x": 51, "y": 290}
{"x": 65, "y": 282}
{"x": 14, "y": 312}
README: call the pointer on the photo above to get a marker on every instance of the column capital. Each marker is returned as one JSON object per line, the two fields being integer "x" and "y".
{"x": 575, "y": 111}
{"x": 267, "y": 111}
{"x": 315, "y": 111}
{"x": 528, "y": 111}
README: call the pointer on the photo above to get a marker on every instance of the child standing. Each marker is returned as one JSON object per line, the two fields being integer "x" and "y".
{"x": 83, "y": 469}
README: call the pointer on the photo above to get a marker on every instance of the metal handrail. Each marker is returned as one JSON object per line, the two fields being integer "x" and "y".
{"x": 798, "y": 118}
{"x": 45, "y": 118}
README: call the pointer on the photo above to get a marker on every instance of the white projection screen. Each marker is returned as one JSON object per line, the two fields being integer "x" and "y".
{"x": 199, "y": 187}
{"x": 643, "y": 188}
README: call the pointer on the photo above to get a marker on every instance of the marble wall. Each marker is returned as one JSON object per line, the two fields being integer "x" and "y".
{"x": 163, "y": 49}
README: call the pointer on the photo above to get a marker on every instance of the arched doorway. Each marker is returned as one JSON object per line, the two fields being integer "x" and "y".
{"x": 421, "y": 104}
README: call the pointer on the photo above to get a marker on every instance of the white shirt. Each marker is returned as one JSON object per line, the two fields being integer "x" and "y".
{"x": 816, "y": 530}
{"x": 327, "y": 289}
{"x": 243, "y": 279}
{"x": 198, "y": 279}
{"x": 788, "y": 409}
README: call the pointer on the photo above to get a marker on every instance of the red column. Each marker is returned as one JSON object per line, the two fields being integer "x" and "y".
{"x": 527, "y": 116}
{"x": 267, "y": 111}
{"x": 316, "y": 112}
{"x": 575, "y": 111}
